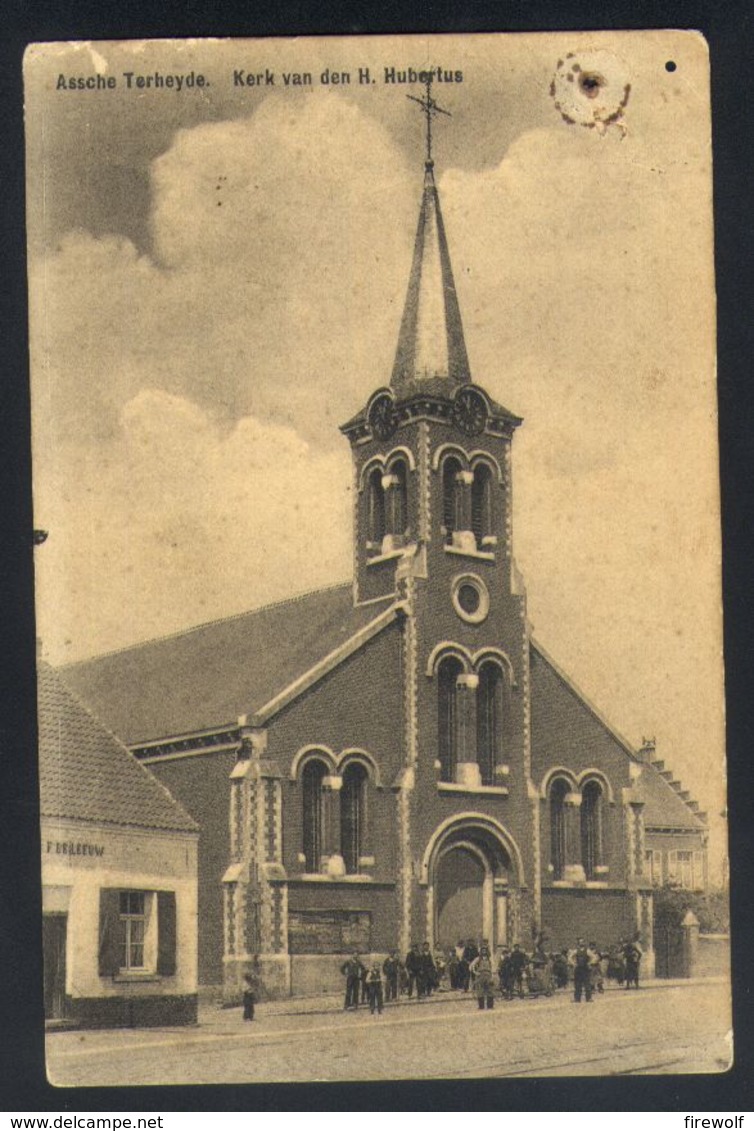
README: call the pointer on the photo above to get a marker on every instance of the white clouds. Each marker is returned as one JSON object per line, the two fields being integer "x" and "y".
{"x": 187, "y": 460}
{"x": 273, "y": 288}
{"x": 185, "y": 522}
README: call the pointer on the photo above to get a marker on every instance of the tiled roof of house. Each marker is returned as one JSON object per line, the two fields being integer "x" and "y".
{"x": 663, "y": 805}
{"x": 206, "y": 677}
{"x": 87, "y": 774}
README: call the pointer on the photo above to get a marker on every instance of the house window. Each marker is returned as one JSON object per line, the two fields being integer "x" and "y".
{"x": 352, "y": 815}
{"x": 558, "y": 791}
{"x": 375, "y": 509}
{"x": 685, "y": 870}
{"x": 133, "y": 918}
{"x": 490, "y": 721}
{"x": 698, "y": 871}
{"x": 137, "y": 932}
{"x": 591, "y": 828}
{"x": 447, "y": 722}
{"x": 482, "y": 517}
{"x": 451, "y": 497}
{"x": 312, "y": 780}
{"x": 653, "y": 859}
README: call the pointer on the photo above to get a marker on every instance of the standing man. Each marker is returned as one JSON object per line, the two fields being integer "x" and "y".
{"x": 484, "y": 986}
{"x": 519, "y": 962}
{"x": 413, "y": 969}
{"x": 391, "y": 969}
{"x": 505, "y": 974}
{"x": 250, "y": 989}
{"x": 427, "y": 978}
{"x": 374, "y": 989}
{"x": 632, "y": 955}
{"x": 582, "y": 959}
{"x": 352, "y": 969}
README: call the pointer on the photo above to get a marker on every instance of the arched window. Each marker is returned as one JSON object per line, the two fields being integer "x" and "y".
{"x": 375, "y": 508}
{"x": 591, "y": 828}
{"x": 312, "y": 778}
{"x": 482, "y": 516}
{"x": 447, "y": 716}
{"x": 490, "y": 720}
{"x": 558, "y": 791}
{"x": 397, "y": 520}
{"x": 352, "y": 815}
{"x": 451, "y": 468}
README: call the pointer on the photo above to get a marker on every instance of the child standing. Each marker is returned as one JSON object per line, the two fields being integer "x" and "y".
{"x": 374, "y": 988}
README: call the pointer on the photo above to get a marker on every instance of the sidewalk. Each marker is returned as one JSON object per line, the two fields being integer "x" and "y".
{"x": 217, "y": 1015}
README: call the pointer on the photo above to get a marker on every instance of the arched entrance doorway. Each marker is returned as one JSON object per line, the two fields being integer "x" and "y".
{"x": 472, "y": 868}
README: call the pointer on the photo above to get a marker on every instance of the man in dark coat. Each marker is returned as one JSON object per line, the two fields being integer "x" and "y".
{"x": 560, "y": 969}
{"x": 631, "y": 958}
{"x": 250, "y": 991}
{"x": 427, "y": 977}
{"x": 352, "y": 969}
{"x": 582, "y": 959}
{"x": 391, "y": 969}
{"x": 519, "y": 962}
{"x": 505, "y": 974}
{"x": 413, "y": 969}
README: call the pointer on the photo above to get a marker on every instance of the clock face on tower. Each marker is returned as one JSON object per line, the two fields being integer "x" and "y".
{"x": 383, "y": 419}
{"x": 469, "y": 412}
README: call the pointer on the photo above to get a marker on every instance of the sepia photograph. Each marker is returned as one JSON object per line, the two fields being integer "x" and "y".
{"x": 377, "y": 558}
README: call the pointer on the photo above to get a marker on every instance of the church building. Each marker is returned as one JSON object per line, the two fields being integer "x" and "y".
{"x": 396, "y": 759}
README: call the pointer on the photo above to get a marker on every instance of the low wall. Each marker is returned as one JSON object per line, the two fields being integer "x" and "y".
{"x": 712, "y": 956}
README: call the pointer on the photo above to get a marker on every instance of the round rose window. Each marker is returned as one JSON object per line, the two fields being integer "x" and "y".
{"x": 471, "y": 599}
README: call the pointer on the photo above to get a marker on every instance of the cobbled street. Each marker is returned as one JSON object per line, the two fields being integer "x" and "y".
{"x": 664, "y": 1028}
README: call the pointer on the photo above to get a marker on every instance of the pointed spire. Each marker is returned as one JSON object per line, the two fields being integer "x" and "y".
{"x": 430, "y": 342}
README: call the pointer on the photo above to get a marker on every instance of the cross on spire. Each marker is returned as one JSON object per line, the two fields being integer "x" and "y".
{"x": 429, "y": 109}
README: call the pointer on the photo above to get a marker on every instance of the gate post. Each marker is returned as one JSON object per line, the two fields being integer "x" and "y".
{"x": 689, "y": 943}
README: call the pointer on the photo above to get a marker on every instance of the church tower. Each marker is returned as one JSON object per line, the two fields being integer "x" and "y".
{"x": 432, "y": 523}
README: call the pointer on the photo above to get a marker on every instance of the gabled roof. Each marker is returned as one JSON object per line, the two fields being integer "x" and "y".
{"x": 580, "y": 698}
{"x": 430, "y": 342}
{"x": 206, "y": 677}
{"x": 663, "y": 808}
{"x": 87, "y": 774}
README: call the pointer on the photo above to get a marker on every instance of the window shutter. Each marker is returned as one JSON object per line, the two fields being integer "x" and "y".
{"x": 166, "y": 932}
{"x": 110, "y": 940}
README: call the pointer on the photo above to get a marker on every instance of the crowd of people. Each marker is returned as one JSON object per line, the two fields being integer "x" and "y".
{"x": 474, "y": 969}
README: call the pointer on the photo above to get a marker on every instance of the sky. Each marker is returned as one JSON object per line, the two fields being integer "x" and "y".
{"x": 216, "y": 280}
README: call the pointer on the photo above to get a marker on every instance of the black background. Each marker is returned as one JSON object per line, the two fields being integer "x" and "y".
{"x": 728, "y": 28}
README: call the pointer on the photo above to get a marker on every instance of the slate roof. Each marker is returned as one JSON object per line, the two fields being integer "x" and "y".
{"x": 206, "y": 677}
{"x": 431, "y": 342}
{"x": 87, "y": 774}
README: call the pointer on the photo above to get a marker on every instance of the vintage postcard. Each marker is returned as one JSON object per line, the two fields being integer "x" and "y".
{"x": 377, "y": 558}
